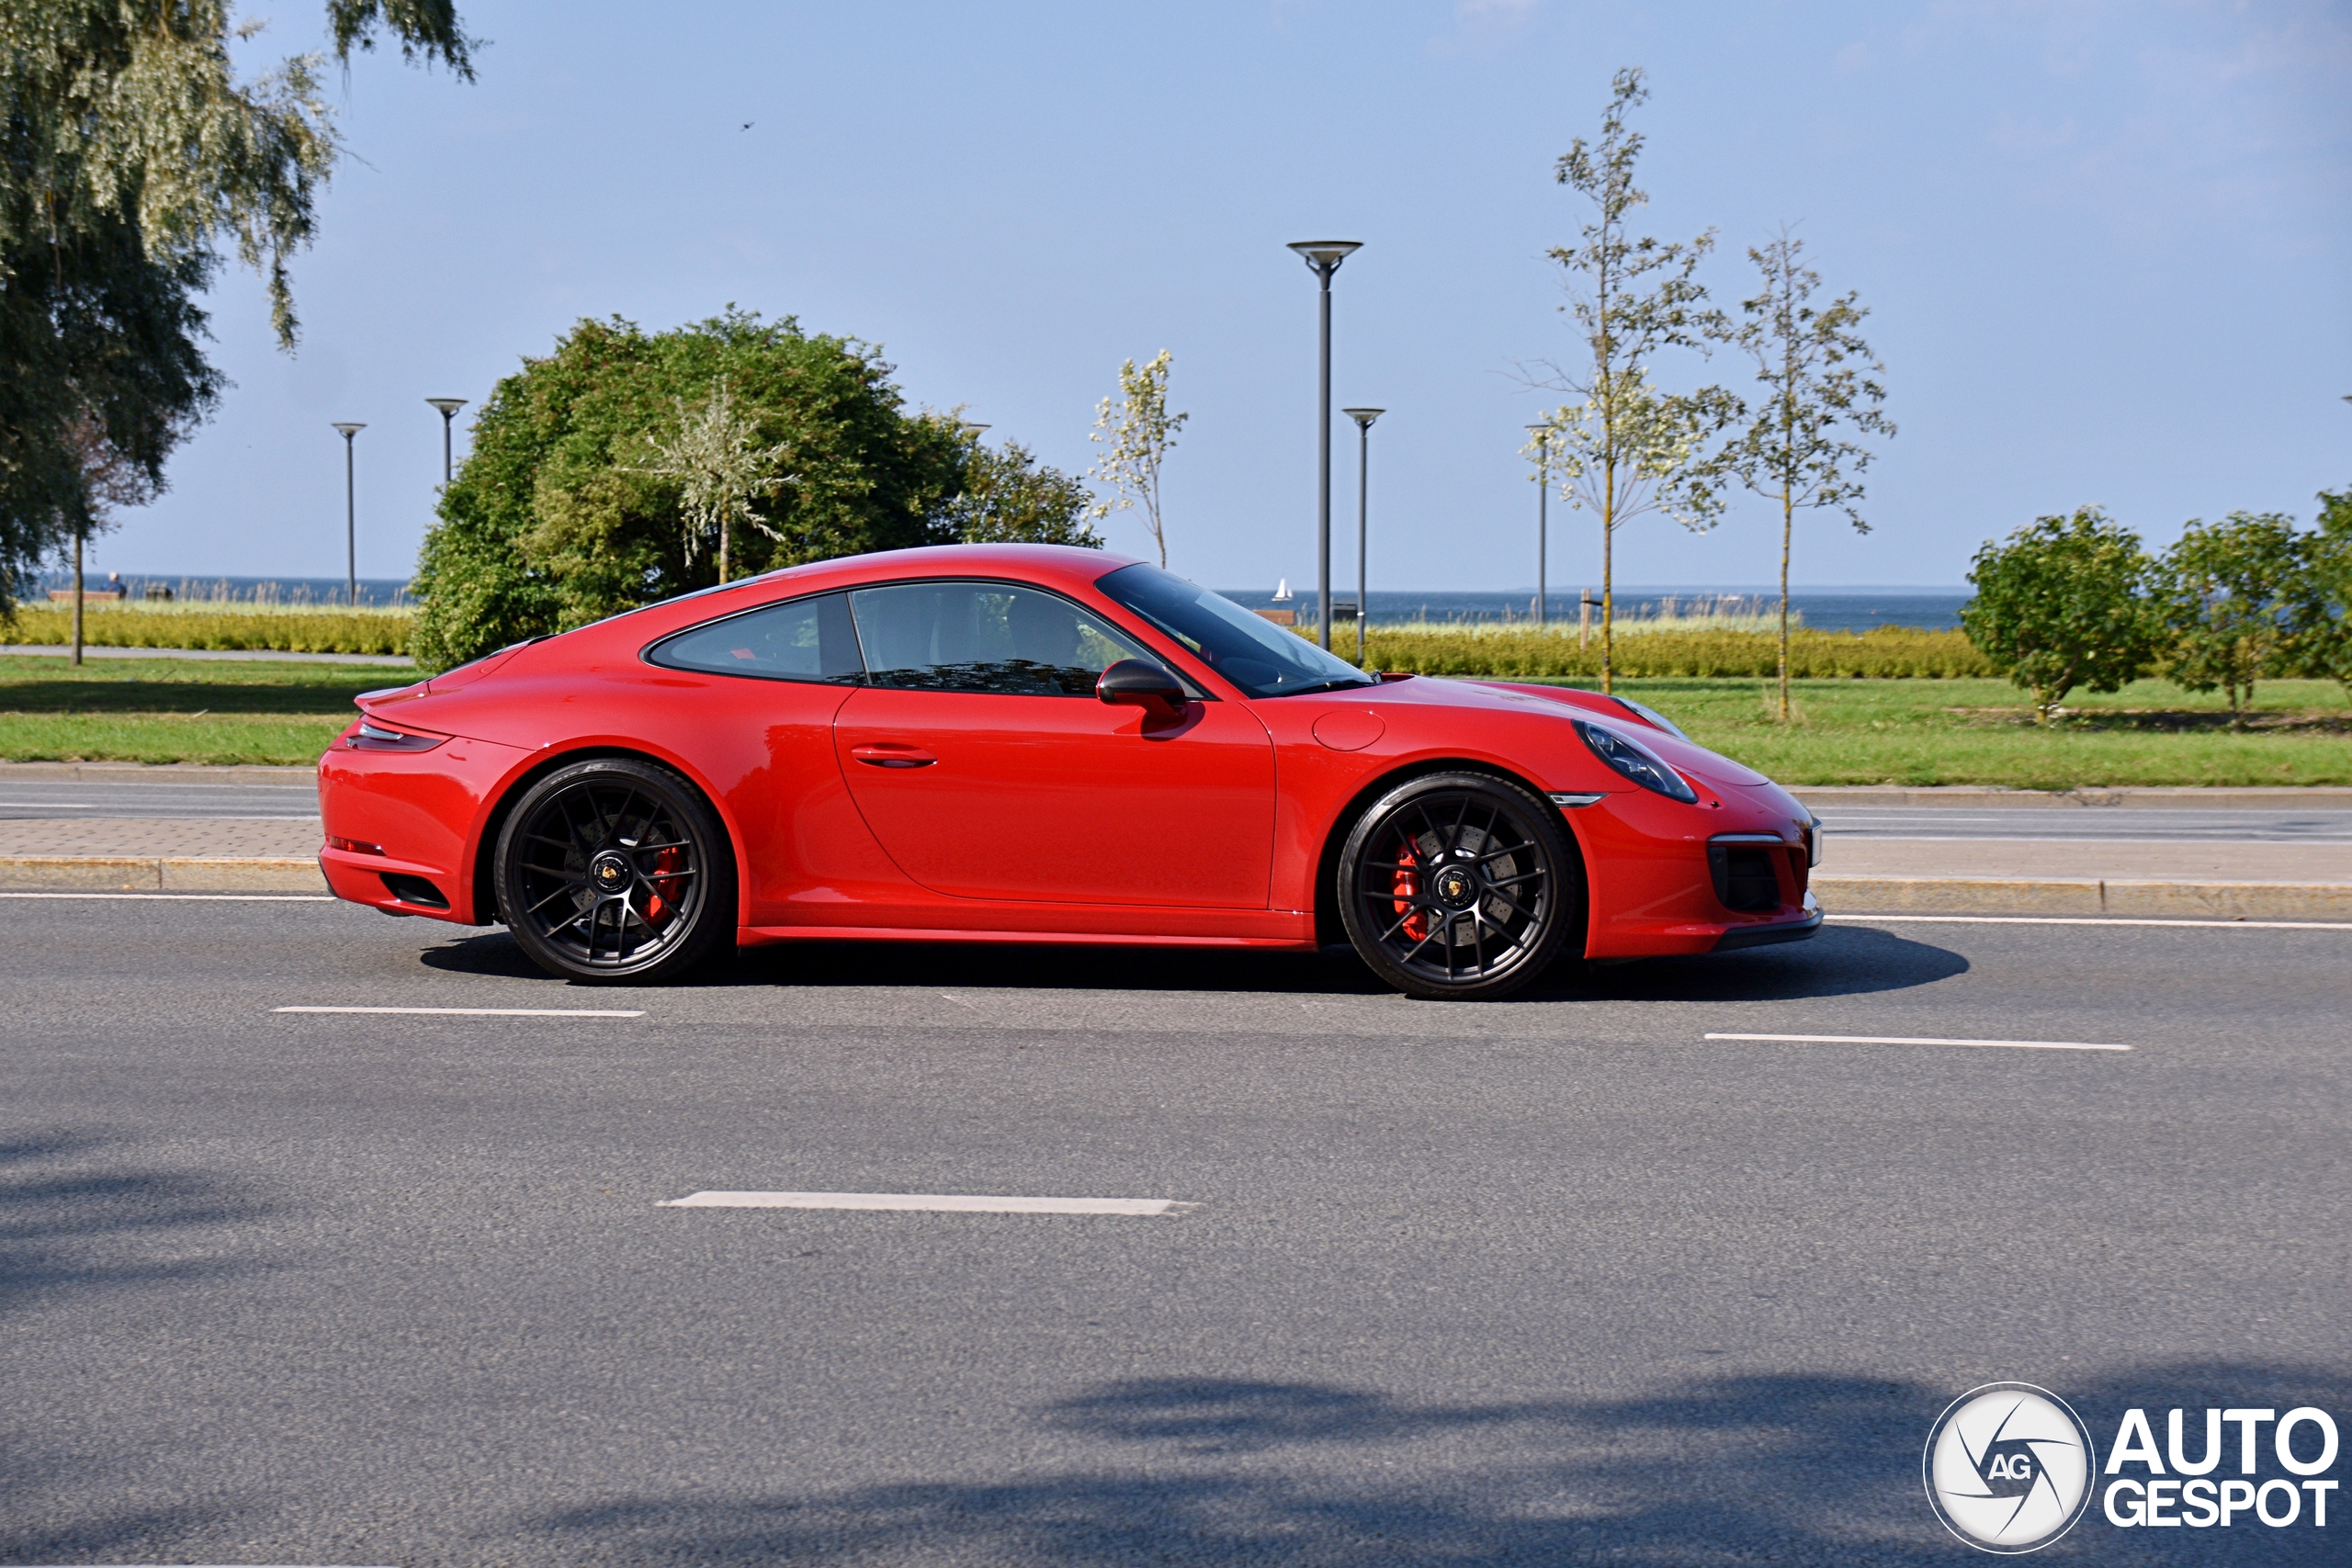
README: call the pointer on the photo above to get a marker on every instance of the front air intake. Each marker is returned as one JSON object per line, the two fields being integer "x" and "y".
{"x": 1744, "y": 878}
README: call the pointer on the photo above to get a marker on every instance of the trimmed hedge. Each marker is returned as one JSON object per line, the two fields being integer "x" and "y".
{"x": 277, "y": 630}
{"x": 1889, "y": 652}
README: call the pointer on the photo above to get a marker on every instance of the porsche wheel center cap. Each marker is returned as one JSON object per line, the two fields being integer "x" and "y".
{"x": 1456, "y": 889}
{"x": 609, "y": 871}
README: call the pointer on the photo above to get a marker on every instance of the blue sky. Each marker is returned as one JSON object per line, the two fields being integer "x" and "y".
{"x": 2106, "y": 248}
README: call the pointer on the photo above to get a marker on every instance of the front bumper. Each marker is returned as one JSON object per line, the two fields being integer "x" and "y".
{"x": 1773, "y": 933}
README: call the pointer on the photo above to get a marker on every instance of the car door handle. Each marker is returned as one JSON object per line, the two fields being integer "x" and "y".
{"x": 891, "y": 755}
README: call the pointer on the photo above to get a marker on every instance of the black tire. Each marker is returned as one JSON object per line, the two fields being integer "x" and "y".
{"x": 1459, "y": 887}
{"x": 614, "y": 871}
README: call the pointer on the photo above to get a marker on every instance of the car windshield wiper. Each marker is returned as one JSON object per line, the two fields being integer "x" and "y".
{"x": 1332, "y": 685}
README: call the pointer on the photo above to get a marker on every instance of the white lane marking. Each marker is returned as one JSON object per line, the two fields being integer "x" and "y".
{"x": 927, "y": 1203}
{"x": 194, "y": 898}
{"x": 2089, "y": 920}
{"x": 1921, "y": 1039}
{"x": 2214, "y": 836}
{"x": 487, "y": 1012}
{"x": 47, "y": 805}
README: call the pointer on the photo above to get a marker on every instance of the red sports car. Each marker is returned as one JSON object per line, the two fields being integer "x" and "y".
{"x": 1036, "y": 743}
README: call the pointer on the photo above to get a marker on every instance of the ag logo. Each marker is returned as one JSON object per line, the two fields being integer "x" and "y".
{"x": 2008, "y": 1467}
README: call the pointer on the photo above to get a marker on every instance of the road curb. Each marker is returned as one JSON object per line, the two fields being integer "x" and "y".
{"x": 2083, "y": 896}
{"x": 162, "y": 874}
{"x": 2287, "y": 797}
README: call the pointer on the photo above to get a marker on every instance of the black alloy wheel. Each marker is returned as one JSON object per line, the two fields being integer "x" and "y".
{"x": 1459, "y": 887}
{"x": 614, "y": 870}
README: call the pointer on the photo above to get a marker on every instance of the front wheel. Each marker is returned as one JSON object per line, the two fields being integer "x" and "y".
{"x": 614, "y": 871}
{"x": 1458, "y": 886}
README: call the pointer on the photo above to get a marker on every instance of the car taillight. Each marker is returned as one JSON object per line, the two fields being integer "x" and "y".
{"x": 354, "y": 846}
{"x": 373, "y": 737}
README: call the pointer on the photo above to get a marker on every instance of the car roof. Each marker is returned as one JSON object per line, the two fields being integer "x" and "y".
{"x": 1048, "y": 566}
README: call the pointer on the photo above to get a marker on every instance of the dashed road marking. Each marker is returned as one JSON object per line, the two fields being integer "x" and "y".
{"x": 484, "y": 1012}
{"x": 194, "y": 898}
{"x": 1920, "y": 1040}
{"x": 928, "y": 1202}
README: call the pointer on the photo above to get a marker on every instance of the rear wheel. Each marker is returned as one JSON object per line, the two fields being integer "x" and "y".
{"x": 1458, "y": 886}
{"x": 614, "y": 870}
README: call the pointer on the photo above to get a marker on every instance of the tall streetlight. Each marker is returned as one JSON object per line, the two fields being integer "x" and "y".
{"x": 448, "y": 407}
{"x": 350, "y": 515}
{"x": 1323, "y": 258}
{"x": 1543, "y": 511}
{"x": 1363, "y": 418}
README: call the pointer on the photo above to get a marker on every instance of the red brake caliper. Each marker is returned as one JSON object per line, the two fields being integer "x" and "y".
{"x": 1405, "y": 882}
{"x": 665, "y": 888}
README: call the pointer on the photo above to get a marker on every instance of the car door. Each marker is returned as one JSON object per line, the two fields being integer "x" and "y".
{"x": 984, "y": 763}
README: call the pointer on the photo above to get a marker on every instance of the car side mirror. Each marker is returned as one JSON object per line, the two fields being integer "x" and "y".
{"x": 1139, "y": 683}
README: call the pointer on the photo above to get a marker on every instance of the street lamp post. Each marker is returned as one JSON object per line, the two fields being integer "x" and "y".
{"x": 1543, "y": 511}
{"x": 448, "y": 407}
{"x": 1323, "y": 258}
{"x": 1363, "y": 418}
{"x": 350, "y": 515}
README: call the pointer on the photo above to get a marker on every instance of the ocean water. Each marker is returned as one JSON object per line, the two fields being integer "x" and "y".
{"x": 1828, "y": 609}
{"x": 280, "y": 589}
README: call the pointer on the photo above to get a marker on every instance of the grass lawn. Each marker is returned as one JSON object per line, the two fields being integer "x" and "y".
{"x": 178, "y": 710}
{"x": 1851, "y": 731}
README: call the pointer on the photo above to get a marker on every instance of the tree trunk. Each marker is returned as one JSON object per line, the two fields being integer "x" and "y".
{"x": 1608, "y": 583}
{"x": 1788, "y": 528}
{"x": 77, "y": 598}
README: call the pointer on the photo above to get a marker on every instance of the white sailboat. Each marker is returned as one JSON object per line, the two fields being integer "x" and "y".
{"x": 1282, "y": 592}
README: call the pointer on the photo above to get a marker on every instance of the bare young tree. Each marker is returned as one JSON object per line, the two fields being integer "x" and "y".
{"x": 1818, "y": 380}
{"x": 109, "y": 482}
{"x": 718, "y": 472}
{"x": 1625, "y": 448}
{"x": 1138, "y": 433}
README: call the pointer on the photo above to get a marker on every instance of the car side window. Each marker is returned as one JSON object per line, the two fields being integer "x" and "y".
{"x": 800, "y": 640}
{"x": 984, "y": 637}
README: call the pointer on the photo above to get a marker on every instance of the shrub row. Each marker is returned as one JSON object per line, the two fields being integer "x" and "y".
{"x": 1889, "y": 652}
{"x": 282, "y": 631}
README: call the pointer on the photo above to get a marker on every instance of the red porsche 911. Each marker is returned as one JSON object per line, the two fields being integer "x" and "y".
{"x": 1040, "y": 744}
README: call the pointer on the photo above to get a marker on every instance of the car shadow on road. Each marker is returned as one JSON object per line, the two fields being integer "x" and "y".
{"x": 1763, "y": 1469}
{"x": 1840, "y": 961}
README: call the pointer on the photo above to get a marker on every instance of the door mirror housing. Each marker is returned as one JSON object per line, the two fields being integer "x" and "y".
{"x": 1139, "y": 683}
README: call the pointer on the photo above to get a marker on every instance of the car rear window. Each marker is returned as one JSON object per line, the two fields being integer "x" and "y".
{"x": 800, "y": 640}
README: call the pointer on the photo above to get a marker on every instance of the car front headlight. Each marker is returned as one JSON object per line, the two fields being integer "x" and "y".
{"x": 1635, "y": 761}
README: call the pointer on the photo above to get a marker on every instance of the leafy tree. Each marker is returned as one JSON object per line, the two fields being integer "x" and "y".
{"x": 2324, "y": 636}
{"x": 1625, "y": 448}
{"x": 1009, "y": 497}
{"x": 559, "y": 518}
{"x": 1817, "y": 377}
{"x": 1137, "y": 435}
{"x": 132, "y": 154}
{"x": 2062, "y": 605}
{"x": 2227, "y": 595}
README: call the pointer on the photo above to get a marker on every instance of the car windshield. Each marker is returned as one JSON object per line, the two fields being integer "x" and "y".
{"x": 1249, "y": 651}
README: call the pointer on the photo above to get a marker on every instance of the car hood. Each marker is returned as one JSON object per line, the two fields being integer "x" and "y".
{"x": 1716, "y": 769}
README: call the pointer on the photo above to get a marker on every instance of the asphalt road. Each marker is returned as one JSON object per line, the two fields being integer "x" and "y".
{"x": 2090, "y": 824}
{"x": 153, "y": 799}
{"x": 1544, "y": 1281}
